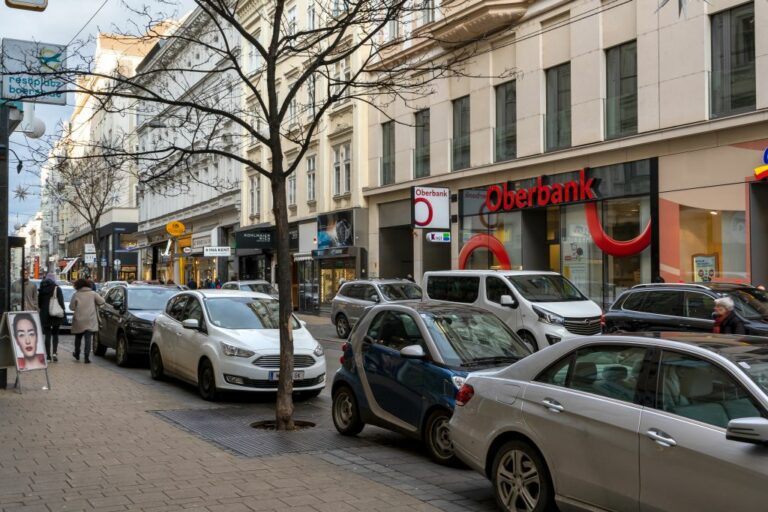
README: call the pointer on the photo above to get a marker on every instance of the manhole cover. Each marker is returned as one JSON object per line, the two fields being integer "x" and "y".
{"x": 271, "y": 425}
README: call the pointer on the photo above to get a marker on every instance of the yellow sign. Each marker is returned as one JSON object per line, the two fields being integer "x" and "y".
{"x": 175, "y": 228}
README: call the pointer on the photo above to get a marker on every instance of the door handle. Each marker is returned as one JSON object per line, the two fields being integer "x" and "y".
{"x": 661, "y": 438}
{"x": 553, "y": 405}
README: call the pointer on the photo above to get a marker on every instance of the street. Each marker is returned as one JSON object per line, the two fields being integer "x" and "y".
{"x": 109, "y": 438}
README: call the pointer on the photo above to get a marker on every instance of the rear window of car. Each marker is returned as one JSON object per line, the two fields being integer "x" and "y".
{"x": 453, "y": 288}
{"x": 634, "y": 302}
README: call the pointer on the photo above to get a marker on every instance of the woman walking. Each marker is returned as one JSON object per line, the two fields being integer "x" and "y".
{"x": 85, "y": 319}
{"x": 51, "y": 317}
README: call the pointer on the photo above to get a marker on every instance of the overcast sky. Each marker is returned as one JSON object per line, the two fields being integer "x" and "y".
{"x": 58, "y": 24}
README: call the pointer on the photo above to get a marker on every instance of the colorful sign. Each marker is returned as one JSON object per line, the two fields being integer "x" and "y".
{"x": 439, "y": 237}
{"x": 503, "y": 198}
{"x": 25, "y": 66}
{"x": 431, "y": 208}
{"x": 761, "y": 172}
{"x": 175, "y": 228}
{"x": 335, "y": 230}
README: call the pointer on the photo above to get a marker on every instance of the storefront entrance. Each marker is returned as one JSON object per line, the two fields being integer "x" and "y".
{"x": 333, "y": 273}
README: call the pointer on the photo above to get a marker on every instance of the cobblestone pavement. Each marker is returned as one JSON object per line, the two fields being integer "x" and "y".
{"x": 107, "y": 438}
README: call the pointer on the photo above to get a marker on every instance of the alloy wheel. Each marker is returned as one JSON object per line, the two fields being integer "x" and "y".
{"x": 342, "y": 326}
{"x": 121, "y": 350}
{"x": 518, "y": 481}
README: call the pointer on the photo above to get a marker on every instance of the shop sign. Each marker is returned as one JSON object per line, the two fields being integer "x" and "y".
{"x": 29, "y": 69}
{"x": 439, "y": 237}
{"x": 216, "y": 252}
{"x": 175, "y": 228}
{"x": 335, "y": 230}
{"x": 89, "y": 259}
{"x": 200, "y": 242}
{"x": 503, "y": 197}
{"x": 431, "y": 207}
{"x": 293, "y": 237}
{"x": 332, "y": 253}
{"x": 255, "y": 239}
{"x": 761, "y": 172}
{"x": 90, "y": 248}
{"x": 187, "y": 250}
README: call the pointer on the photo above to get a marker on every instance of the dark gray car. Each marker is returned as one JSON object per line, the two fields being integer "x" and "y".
{"x": 354, "y": 296}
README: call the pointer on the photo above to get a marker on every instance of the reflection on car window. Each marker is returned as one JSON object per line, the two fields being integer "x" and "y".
{"x": 664, "y": 302}
{"x": 194, "y": 311}
{"x": 176, "y": 307}
{"x": 260, "y": 288}
{"x": 546, "y": 288}
{"x": 751, "y": 303}
{"x": 699, "y": 305}
{"x": 149, "y": 298}
{"x": 400, "y": 291}
{"x": 697, "y": 389}
{"x": 398, "y": 330}
{"x": 245, "y": 313}
{"x": 610, "y": 371}
{"x": 68, "y": 293}
{"x": 453, "y": 288}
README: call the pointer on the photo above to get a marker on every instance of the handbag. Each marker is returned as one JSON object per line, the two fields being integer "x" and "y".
{"x": 54, "y": 308}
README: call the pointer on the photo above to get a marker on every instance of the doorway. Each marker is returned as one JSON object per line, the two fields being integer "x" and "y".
{"x": 333, "y": 273}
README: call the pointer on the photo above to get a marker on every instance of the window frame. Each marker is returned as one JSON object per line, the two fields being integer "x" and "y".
{"x": 387, "y": 173}
{"x": 311, "y": 161}
{"x": 421, "y": 153}
{"x": 557, "y": 104}
{"x": 725, "y": 18}
{"x": 291, "y": 189}
{"x": 502, "y": 122}
{"x": 615, "y": 81}
{"x": 461, "y": 150}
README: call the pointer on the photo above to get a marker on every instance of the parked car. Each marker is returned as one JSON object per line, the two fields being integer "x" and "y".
{"x": 103, "y": 288}
{"x": 67, "y": 291}
{"x": 229, "y": 340}
{"x": 354, "y": 296}
{"x": 404, "y": 363}
{"x": 543, "y": 308}
{"x": 256, "y": 285}
{"x": 126, "y": 319}
{"x": 685, "y": 307}
{"x": 670, "y": 421}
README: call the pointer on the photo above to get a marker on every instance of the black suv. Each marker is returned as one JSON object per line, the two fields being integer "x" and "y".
{"x": 685, "y": 307}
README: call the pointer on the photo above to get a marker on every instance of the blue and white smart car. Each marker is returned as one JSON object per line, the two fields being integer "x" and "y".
{"x": 405, "y": 362}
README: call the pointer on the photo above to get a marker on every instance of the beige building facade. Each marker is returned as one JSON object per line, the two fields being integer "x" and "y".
{"x": 603, "y": 140}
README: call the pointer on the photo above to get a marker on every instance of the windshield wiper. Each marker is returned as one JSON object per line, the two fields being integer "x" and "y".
{"x": 478, "y": 361}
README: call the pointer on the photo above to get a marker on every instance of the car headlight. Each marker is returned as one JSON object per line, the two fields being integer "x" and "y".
{"x": 231, "y": 350}
{"x": 319, "y": 352}
{"x": 458, "y": 381}
{"x": 548, "y": 317}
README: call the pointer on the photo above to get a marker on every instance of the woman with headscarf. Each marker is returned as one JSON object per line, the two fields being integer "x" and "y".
{"x": 726, "y": 321}
{"x": 50, "y": 323}
{"x": 85, "y": 318}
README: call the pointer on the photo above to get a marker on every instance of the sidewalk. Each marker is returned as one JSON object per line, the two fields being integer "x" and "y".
{"x": 92, "y": 443}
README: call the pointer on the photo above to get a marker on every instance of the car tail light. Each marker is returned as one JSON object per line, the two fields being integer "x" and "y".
{"x": 602, "y": 320}
{"x": 464, "y": 395}
{"x": 344, "y": 349}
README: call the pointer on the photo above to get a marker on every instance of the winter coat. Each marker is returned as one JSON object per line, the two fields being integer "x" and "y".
{"x": 30, "y": 294}
{"x": 85, "y": 307}
{"x": 44, "y": 301}
{"x": 730, "y": 324}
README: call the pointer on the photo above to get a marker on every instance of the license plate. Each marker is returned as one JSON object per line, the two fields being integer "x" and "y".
{"x": 297, "y": 375}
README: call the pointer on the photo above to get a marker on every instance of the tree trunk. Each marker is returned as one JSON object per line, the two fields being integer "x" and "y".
{"x": 284, "y": 409}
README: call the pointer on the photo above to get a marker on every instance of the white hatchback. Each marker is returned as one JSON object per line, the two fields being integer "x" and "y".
{"x": 229, "y": 340}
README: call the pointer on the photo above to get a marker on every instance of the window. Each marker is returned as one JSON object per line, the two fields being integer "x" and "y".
{"x": 696, "y": 389}
{"x": 175, "y": 307}
{"x": 291, "y": 21}
{"x": 311, "y": 178}
{"x": 664, "y": 302}
{"x": 341, "y": 76}
{"x": 621, "y": 97}
{"x": 427, "y": 11}
{"x": 506, "y": 121}
{"x": 394, "y": 330}
{"x": 368, "y": 293}
{"x": 256, "y": 197}
{"x": 390, "y": 30}
{"x": 292, "y": 189}
{"x": 194, "y": 311}
{"x": 311, "y": 94}
{"x": 460, "y": 141}
{"x": 254, "y": 57}
{"x": 421, "y": 154}
{"x": 495, "y": 288}
{"x": 292, "y": 108}
{"x": 733, "y": 61}
{"x": 342, "y": 172}
{"x": 388, "y": 153}
{"x": 634, "y": 302}
{"x": 610, "y": 371}
{"x": 311, "y": 22}
{"x": 339, "y": 7}
{"x": 699, "y": 305}
{"x": 252, "y": 203}
{"x": 558, "y": 118}
{"x": 453, "y": 288}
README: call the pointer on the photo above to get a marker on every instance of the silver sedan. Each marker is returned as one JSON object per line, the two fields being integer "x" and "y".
{"x": 669, "y": 421}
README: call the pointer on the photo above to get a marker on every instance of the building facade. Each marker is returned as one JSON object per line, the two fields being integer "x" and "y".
{"x": 614, "y": 144}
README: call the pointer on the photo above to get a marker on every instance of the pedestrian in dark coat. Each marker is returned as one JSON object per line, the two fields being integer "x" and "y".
{"x": 726, "y": 321}
{"x": 50, "y": 323}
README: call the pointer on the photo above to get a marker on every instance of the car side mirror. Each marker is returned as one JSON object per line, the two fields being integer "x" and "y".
{"x": 748, "y": 430}
{"x": 509, "y": 301}
{"x": 191, "y": 323}
{"x": 413, "y": 352}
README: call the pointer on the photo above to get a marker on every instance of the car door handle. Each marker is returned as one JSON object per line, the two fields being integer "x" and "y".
{"x": 661, "y": 438}
{"x": 553, "y": 405}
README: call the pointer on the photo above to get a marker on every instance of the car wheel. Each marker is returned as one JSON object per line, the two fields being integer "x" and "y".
{"x": 206, "y": 381}
{"x": 438, "y": 439}
{"x": 530, "y": 340}
{"x": 98, "y": 348}
{"x": 156, "y": 369}
{"x": 342, "y": 326}
{"x": 346, "y": 415}
{"x": 121, "y": 350}
{"x": 521, "y": 480}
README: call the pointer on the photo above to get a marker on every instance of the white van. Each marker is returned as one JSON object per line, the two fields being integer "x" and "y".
{"x": 542, "y": 307}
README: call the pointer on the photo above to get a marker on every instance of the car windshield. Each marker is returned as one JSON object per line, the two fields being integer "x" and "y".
{"x": 751, "y": 303}
{"x": 149, "y": 299}
{"x": 546, "y": 288}
{"x": 68, "y": 293}
{"x": 245, "y": 313}
{"x": 400, "y": 291}
{"x": 473, "y": 338}
{"x": 259, "y": 288}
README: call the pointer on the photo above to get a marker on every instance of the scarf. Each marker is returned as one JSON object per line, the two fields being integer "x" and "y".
{"x": 718, "y": 322}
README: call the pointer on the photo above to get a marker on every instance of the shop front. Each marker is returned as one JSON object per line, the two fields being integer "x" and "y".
{"x": 593, "y": 225}
{"x": 255, "y": 249}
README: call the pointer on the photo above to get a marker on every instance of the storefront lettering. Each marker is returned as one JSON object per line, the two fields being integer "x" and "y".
{"x": 502, "y": 198}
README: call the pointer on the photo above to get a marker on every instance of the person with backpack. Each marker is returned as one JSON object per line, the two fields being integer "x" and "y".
{"x": 50, "y": 303}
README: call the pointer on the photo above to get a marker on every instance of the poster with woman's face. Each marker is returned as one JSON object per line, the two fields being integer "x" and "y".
{"x": 27, "y": 340}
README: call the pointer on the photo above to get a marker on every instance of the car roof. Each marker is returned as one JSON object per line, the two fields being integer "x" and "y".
{"x": 421, "y": 306}
{"x": 209, "y": 293}
{"x": 715, "y": 287}
{"x": 388, "y": 280}
{"x": 249, "y": 281}
{"x": 492, "y": 272}
{"x": 717, "y": 343}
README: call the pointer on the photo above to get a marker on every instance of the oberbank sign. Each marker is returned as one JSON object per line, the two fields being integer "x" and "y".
{"x": 29, "y": 71}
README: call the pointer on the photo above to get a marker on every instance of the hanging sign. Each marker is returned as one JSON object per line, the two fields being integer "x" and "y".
{"x": 29, "y": 71}
{"x": 175, "y": 228}
{"x": 430, "y": 207}
{"x": 215, "y": 252}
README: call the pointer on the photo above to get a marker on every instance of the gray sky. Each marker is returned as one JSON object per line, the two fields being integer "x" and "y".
{"x": 59, "y": 24}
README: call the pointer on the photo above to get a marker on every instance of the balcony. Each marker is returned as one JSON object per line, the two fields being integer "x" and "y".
{"x": 467, "y": 20}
